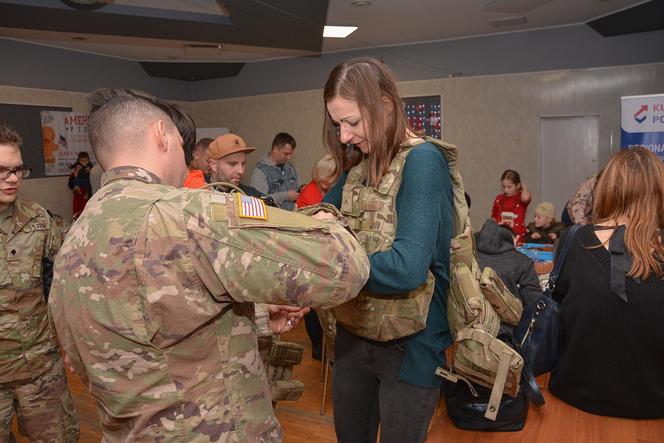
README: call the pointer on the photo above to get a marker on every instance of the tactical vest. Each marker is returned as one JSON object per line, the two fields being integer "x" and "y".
{"x": 371, "y": 213}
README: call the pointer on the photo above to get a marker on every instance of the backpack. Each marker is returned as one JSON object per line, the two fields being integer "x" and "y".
{"x": 477, "y": 302}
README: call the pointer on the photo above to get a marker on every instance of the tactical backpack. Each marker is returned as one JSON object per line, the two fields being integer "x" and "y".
{"x": 476, "y": 305}
{"x": 477, "y": 302}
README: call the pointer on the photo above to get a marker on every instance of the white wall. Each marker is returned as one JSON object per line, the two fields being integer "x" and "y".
{"x": 494, "y": 120}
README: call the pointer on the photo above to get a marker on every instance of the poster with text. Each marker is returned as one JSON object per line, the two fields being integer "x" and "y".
{"x": 643, "y": 123}
{"x": 424, "y": 116}
{"x": 64, "y": 135}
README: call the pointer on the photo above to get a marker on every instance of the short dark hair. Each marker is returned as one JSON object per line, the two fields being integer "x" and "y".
{"x": 185, "y": 126}
{"x": 204, "y": 143}
{"x": 283, "y": 138}
{"x": 111, "y": 107}
{"x": 201, "y": 145}
{"x": 9, "y": 136}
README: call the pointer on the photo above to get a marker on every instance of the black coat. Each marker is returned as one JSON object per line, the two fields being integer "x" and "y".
{"x": 495, "y": 249}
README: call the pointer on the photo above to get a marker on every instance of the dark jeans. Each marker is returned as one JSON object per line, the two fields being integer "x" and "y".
{"x": 314, "y": 331}
{"x": 367, "y": 392}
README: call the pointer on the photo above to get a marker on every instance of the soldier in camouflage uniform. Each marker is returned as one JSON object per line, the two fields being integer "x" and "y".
{"x": 32, "y": 377}
{"x": 154, "y": 286}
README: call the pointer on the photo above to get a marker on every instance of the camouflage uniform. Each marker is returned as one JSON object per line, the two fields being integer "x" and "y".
{"x": 32, "y": 375}
{"x": 152, "y": 298}
{"x": 581, "y": 206}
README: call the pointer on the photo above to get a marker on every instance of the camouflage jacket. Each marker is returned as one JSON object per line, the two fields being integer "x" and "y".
{"x": 27, "y": 345}
{"x": 150, "y": 299}
{"x": 580, "y": 207}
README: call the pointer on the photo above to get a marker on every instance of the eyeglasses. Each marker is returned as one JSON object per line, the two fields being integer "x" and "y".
{"x": 20, "y": 172}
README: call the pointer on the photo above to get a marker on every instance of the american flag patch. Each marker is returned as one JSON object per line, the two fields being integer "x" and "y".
{"x": 250, "y": 207}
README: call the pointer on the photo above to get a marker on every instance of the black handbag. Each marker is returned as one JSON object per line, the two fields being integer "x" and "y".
{"x": 467, "y": 410}
{"x": 538, "y": 333}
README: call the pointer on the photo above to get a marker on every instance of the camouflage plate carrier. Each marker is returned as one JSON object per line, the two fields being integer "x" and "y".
{"x": 371, "y": 213}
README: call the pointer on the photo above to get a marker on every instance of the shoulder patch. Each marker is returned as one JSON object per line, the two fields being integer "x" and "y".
{"x": 250, "y": 207}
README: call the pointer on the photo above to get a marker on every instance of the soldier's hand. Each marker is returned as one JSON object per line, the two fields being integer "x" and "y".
{"x": 285, "y": 318}
{"x": 324, "y": 216}
{"x": 536, "y": 235}
{"x": 292, "y": 195}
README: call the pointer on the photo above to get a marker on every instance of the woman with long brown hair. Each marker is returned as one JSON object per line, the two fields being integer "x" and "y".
{"x": 612, "y": 292}
{"x": 395, "y": 190}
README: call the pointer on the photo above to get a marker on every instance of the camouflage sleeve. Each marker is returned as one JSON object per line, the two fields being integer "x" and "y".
{"x": 53, "y": 238}
{"x": 262, "y": 320}
{"x": 288, "y": 259}
{"x": 51, "y": 246}
{"x": 58, "y": 323}
{"x": 580, "y": 207}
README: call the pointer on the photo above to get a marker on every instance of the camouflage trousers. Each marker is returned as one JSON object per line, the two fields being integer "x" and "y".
{"x": 43, "y": 406}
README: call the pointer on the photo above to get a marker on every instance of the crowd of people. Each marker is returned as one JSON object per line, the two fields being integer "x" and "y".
{"x": 155, "y": 286}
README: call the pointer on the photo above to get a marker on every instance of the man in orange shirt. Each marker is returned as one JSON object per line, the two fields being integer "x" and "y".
{"x": 198, "y": 166}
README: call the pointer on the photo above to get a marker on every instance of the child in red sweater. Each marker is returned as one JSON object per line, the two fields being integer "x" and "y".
{"x": 509, "y": 208}
{"x": 323, "y": 178}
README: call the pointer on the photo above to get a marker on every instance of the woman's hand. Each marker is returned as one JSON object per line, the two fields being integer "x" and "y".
{"x": 285, "y": 318}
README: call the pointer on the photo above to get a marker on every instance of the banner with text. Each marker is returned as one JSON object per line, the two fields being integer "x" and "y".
{"x": 64, "y": 135}
{"x": 643, "y": 123}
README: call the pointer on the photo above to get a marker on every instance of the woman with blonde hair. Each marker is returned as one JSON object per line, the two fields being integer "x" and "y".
{"x": 323, "y": 176}
{"x": 395, "y": 190}
{"x": 612, "y": 292}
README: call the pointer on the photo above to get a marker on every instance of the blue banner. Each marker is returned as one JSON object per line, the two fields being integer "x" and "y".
{"x": 643, "y": 123}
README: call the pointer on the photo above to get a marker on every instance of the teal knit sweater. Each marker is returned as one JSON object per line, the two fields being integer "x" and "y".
{"x": 424, "y": 232}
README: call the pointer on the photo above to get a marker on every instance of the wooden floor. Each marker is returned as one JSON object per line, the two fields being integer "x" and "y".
{"x": 302, "y": 422}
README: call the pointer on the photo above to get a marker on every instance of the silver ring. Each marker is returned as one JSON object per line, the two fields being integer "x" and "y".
{"x": 290, "y": 322}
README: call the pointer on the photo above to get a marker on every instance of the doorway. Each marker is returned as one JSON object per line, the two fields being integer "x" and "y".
{"x": 569, "y": 150}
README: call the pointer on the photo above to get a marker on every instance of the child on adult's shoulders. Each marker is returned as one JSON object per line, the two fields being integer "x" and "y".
{"x": 545, "y": 228}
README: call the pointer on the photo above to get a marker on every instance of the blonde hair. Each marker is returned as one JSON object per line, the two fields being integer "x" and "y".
{"x": 324, "y": 169}
{"x": 632, "y": 186}
{"x": 368, "y": 82}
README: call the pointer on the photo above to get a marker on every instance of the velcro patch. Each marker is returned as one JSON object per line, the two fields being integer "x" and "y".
{"x": 250, "y": 207}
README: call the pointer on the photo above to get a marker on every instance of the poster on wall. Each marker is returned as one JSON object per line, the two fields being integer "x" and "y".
{"x": 64, "y": 135}
{"x": 643, "y": 123}
{"x": 424, "y": 116}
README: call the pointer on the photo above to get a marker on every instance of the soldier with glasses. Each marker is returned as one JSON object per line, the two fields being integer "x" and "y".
{"x": 32, "y": 376}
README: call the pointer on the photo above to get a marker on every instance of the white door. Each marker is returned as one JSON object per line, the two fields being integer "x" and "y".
{"x": 569, "y": 148}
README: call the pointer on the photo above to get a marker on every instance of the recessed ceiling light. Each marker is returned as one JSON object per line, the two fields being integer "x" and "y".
{"x": 338, "y": 31}
{"x": 360, "y": 3}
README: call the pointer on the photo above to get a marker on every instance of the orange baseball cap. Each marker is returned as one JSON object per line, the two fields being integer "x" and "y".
{"x": 227, "y": 144}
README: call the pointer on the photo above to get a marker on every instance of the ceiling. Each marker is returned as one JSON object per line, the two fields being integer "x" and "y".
{"x": 255, "y": 30}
